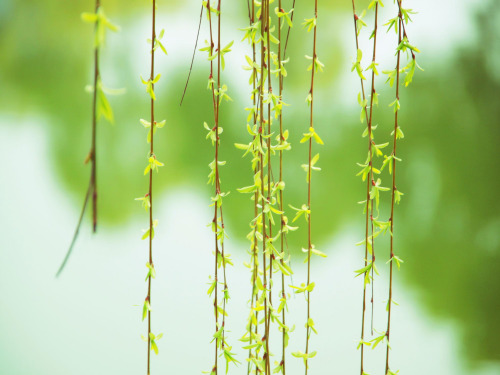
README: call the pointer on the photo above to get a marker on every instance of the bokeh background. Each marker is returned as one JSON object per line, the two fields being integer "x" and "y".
{"x": 88, "y": 320}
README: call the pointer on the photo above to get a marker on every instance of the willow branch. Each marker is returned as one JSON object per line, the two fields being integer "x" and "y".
{"x": 371, "y": 181}
{"x": 288, "y": 32}
{"x": 309, "y": 243}
{"x": 269, "y": 174}
{"x": 92, "y": 188}
{"x": 253, "y": 297}
{"x": 393, "y": 192}
{"x": 264, "y": 234}
{"x": 152, "y": 76}
{"x": 355, "y": 17}
{"x": 282, "y": 235}
{"x": 192, "y": 58}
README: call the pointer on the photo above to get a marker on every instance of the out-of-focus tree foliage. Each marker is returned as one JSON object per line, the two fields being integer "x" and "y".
{"x": 449, "y": 218}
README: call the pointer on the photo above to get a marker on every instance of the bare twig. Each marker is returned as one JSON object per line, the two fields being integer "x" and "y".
{"x": 192, "y": 59}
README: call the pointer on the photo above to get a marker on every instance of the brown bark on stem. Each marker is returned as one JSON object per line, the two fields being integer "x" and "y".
{"x": 152, "y": 76}
{"x": 309, "y": 234}
{"x": 389, "y": 307}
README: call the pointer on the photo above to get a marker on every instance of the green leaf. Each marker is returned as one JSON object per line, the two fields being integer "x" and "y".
{"x": 89, "y": 17}
{"x": 145, "y": 309}
{"x": 397, "y": 196}
{"x": 154, "y": 347}
{"x": 363, "y": 270}
{"x": 377, "y": 340}
{"x": 229, "y": 358}
{"x": 309, "y": 23}
{"x": 396, "y": 105}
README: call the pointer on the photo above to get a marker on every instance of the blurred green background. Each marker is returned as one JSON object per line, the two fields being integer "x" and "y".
{"x": 447, "y": 226}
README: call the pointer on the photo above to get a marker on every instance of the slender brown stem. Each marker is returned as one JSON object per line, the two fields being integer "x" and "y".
{"x": 254, "y": 295}
{"x": 367, "y": 200}
{"x": 288, "y": 32}
{"x": 254, "y": 281}
{"x": 92, "y": 188}
{"x": 75, "y": 235}
{"x": 269, "y": 174}
{"x": 389, "y": 302}
{"x": 309, "y": 243}
{"x": 152, "y": 76}
{"x": 224, "y": 300}
{"x": 192, "y": 58}
{"x": 215, "y": 220}
{"x": 94, "y": 130}
{"x": 217, "y": 166}
{"x": 266, "y": 321}
{"x": 402, "y": 25}
{"x": 282, "y": 235}
{"x": 370, "y": 180}
{"x": 263, "y": 199}
{"x": 218, "y": 208}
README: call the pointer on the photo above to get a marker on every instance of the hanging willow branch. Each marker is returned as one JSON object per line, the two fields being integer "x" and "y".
{"x": 309, "y": 171}
{"x": 147, "y": 200}
{"x": 151, "y": 78}
{"x": 269, "y": 174}
{"x": 283, "y": 17}
{"x": 373, "y": 188}
{"x": 264, "y": 28}
{"x": 100, "y": 107}
{"x": 252, "y": 328}
{"x": 364, "y": 113}
{"x": 266, "y": 191}
{"x": 192, "y": 58}
{"x": 222, "y": 259}
{"x": 368, "y": 170}
{"x": 404, "y": 45}
{"x": 314, "y": 67}
{"x": 396, "y": 106}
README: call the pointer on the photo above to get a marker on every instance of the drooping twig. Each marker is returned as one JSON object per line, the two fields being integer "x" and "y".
{"x": 192, "y": 59}
{"x": 152, "y": 78}
{"x": 393, "y": 192}
{"x": 288, "y": 32}
{"x": 263, "y": 64}
{"x": 269, "y": 175}
{"x": 281, "y": 207}
{"x": 255, "y": 246}
{"x": 75, "y": 235}
{"x": 93, "y": 152}
{"x": 356, "y": 32}
{"x": 370, "y": 179}
{"x": 310, "y": 165}
{"x": 215, "y": 219}
{"x": 221, "y": 259}
{"x": 92, "y": 188}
